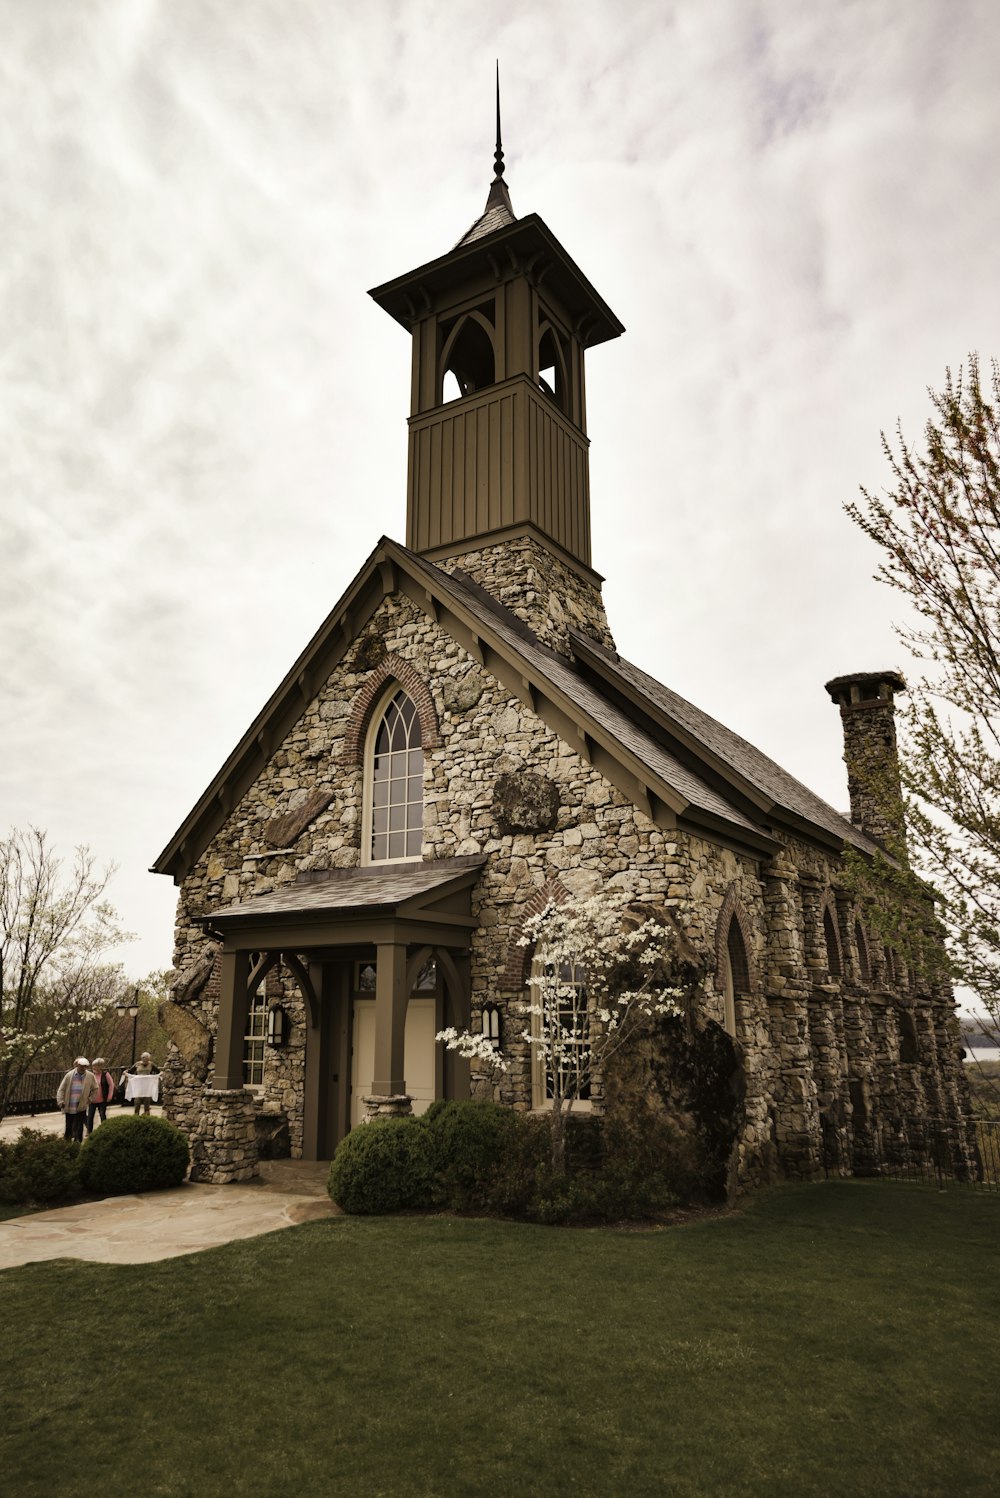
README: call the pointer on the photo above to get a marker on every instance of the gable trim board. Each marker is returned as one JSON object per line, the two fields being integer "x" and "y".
{"x": 676, "y": 777}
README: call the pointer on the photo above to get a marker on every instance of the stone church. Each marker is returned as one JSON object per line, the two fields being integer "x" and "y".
{"x": 461, "y": 742}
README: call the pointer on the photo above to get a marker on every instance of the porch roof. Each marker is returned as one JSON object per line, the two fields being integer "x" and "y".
{"x": 420, "y": 901}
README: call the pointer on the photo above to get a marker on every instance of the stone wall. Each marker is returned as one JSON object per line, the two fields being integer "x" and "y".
{"x": 547, "y": 593}
{"x": 815, "y": 1046}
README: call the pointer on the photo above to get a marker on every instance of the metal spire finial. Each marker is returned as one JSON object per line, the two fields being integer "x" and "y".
{"x": 498, "y": 153}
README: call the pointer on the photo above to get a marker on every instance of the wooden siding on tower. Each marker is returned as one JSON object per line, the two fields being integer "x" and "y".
{"x": 500, "y": 457}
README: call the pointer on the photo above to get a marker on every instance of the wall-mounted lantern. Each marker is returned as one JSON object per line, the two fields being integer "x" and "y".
{"x": 277, "y": 1026}
{"x": 493, "y": 1025}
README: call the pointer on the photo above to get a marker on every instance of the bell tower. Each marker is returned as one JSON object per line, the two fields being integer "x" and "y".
{"x": 498, "y": 446}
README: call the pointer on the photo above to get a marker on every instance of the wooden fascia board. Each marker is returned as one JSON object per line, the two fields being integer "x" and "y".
{"x": 529, "y": 235}
{"x": 327, "y": 931}
{"x": 278, "y": 716}
{"x": 719, "y": 830}
{"x": 707, "y": 760}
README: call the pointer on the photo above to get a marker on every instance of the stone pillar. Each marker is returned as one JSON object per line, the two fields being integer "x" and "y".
{"x": 232, "y": 1023}
{"x": 859, "y": 1047}
{"x": 224, "y": 1148}
{"x": 826, "y": 1028}
{"x": 796, "y": 1116}
{"x": 868, "y": 717}
{"x": 392, "y": 995}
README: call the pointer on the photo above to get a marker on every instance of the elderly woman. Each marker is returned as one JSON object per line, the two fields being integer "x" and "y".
{"x": 102, "y": 1097}
{"x": 74, "y": 1094}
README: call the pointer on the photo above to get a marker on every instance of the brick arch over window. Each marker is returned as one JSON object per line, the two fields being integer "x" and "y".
{"x": 831, "y": 935}
{"x": 390, "y": 668}
{"x": 740, "y": 952}
{"x": 518, "y": 968}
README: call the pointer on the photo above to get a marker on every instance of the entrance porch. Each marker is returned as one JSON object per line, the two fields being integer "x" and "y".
{"x": 380, "y": 956}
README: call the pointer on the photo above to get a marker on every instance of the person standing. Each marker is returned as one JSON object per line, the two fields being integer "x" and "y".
{"x": 143, "y": 1068}
{"x": 74, "y": 1095}
{"x": 102, "y": 1097}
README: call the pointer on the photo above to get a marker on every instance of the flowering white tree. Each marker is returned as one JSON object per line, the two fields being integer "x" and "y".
{"x": 600, "y": 974}
{"x": 55, "y": 928}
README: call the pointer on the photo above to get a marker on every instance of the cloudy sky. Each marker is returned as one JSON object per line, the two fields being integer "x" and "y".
{"x": 793, "y": 206}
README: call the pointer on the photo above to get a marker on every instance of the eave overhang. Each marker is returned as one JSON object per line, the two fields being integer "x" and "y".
{"x": 750, "y": 798}
{"x": 526, "y": 247}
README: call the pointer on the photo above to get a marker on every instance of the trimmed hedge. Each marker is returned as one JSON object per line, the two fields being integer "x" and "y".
{"x": 482, "y": 1157}
{"x": 127, "y": 1155}
{"x": 485, "y": 1156}
{"x": 39, "y": 1167}
{"x": 383, "y": 1166}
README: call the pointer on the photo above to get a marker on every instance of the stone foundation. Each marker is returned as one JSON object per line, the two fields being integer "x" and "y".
{"x": 224, "y": 1149}
{"x": 400, "y": 1105}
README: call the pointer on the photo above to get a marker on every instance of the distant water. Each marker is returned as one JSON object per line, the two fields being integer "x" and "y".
{"x": 982, "y": 1053}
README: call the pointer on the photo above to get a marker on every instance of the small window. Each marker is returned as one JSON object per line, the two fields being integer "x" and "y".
{"x": 395, "y": 800}
{"x": 256, "y": 1032}
{"x": 561, "y": 1058}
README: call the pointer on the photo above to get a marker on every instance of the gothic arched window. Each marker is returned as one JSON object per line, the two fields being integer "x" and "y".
{"x": 468, "y": 359}
{"x": 834, "y": 965}
{"x": 552, "y": 365}
{"x": 735, "y": 972}
{"x": 394, "y": 802}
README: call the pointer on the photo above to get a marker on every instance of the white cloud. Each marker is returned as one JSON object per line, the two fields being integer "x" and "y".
{"x": 793, "y": 207}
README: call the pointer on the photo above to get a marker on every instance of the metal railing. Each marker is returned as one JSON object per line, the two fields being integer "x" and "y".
{"x": 940, "y": 1152}
{"x": 36, "y": 1091}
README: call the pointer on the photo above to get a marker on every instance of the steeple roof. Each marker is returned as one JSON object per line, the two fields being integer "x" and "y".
{"x": 498, "y": 212}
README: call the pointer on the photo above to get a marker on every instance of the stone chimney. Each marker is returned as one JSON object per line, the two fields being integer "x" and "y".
{"x": 868, "y": 715}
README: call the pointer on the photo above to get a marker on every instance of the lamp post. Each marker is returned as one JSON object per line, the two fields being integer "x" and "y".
{"x": 133, "y": 1010}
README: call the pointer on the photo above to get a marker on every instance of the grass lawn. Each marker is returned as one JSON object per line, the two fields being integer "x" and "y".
{"x": 837, "y": 1339}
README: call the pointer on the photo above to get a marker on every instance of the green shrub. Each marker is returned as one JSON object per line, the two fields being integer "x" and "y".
{"x": 473, "y": 1143}
{"x": 134, "y": 1154}
{"x": 39, "y": 1167}
{"x": 383, "y": 1166}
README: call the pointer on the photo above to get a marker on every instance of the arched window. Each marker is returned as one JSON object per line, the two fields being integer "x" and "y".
{"x": 552, "y": 365}
{"x": 560, "y": 1029}
{"x": 735, "y": 973}
{"x": 467, "y": 357}
{"x": 394, "y": 771}
{"x": 833, "y": 963}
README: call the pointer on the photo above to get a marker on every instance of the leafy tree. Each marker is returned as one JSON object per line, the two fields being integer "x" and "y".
{"x": 55, "y": 929}
{"x": 600, "y": 974}
{"x": 938, "y": 528}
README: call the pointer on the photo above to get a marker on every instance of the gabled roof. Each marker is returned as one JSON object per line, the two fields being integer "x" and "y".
{"x": 747, "y": 770}
{"x": 675, "y": 763}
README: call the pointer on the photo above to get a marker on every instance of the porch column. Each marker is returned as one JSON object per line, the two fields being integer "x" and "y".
{"x": 232, "y": 1026}
{"x": 391, "y": 997}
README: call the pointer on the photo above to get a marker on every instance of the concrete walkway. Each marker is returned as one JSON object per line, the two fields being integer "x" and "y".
{"x": 164, "y": 1224}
